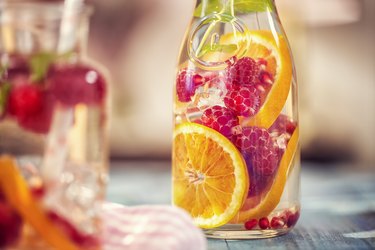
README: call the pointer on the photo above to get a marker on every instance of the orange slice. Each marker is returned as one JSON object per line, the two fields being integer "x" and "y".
{"x": 263, "y": 205}
{"x": 210, "y": 179}
{"x": 18, "y": 195}
{"x": 274, "y": 49}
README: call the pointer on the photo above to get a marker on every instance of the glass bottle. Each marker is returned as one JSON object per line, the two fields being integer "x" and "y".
{"x": 235, "y": 157}
{"x": 53, "y": 129}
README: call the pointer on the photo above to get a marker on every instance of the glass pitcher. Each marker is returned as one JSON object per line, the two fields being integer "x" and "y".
{"x": 235, "y": 157}
{"x": 53, "y": 129}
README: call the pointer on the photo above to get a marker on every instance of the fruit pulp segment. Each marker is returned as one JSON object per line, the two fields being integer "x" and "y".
{"x": 208, "y": 175}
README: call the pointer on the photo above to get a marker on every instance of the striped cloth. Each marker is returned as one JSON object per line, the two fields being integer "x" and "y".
{"x": 150, "y": 228}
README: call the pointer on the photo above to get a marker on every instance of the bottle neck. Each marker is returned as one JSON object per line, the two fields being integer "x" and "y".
{"x": 231, "y": 6}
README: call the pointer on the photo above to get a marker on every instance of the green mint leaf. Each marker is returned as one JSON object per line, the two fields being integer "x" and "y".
{"x": 39, "y": 64}
{"x": 4, "y": 92}
{"x": 240, "y": 6}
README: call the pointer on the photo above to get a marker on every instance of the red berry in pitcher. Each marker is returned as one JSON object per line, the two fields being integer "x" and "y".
{"x": 265, "y": 160}
{"x": 31, "y": 106}
{"x": 258, "y": 145}
{"x": 221, "y": 119}
{"x": 252, "y": 137}
{"x": 244, "y": 71}
{"x": 77, "y": 84}
{"x": 244, "y": 100}
{"x": 186, "y": 84}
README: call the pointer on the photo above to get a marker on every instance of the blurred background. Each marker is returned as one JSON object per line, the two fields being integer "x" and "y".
{"x": 333, "y": 42}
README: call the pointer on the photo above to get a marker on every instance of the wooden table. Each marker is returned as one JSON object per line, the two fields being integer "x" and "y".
{"x": 338, "y": 205}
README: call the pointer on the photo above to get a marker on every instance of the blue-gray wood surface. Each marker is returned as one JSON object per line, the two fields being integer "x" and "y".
{"x": 338, "y": 205}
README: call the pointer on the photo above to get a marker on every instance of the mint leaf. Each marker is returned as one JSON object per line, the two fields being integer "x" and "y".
{"x": 4, "y": 92}
{"x": 240, "y": 6}
{"x": 39, "y": 64}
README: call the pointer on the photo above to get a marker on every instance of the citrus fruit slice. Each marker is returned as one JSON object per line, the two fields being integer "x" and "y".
{"x": 263, "y": 204}
{"x": 274, "y": 49}
{"x": 210, "y": 179}
{"x": 18, "y": 195}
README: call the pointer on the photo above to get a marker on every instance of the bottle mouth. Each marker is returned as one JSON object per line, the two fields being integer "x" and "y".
{"x": 38, "y": 10}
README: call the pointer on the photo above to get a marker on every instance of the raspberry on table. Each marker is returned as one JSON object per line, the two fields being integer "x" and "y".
{"x": 186, "y": 83}
{"x": 244, "y": 100}
{"x": 221, "y": 119}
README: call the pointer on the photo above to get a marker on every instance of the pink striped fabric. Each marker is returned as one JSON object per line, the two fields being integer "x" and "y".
{"x": 150, "y": 228}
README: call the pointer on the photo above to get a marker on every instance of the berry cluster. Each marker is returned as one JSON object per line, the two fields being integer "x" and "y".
{"x": 246, "y": 84}
{"x": 31, "y": 103}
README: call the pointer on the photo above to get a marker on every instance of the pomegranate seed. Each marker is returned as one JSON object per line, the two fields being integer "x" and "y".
{"x": 251, "y": 224}
{"x": 266, "y": 77}
{"x": 264, "y": 223}
{"x": 292, "y": 219}
{"x": 277, "y": 222}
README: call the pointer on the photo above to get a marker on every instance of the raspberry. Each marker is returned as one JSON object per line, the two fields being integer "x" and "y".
{"x": 244, "y": 71}
{"x": 258, "y": 183}
{"x": 265, "y": 160}
{"x": 221, "y": 119}
{"x": 251, "y": 138}
{"x": 31, "y": 106}
{"x": 75, "y": 84}
{"x": 263, "y": 154}
{"x": 244, "y": 100}
{"x": 186, "y": 84}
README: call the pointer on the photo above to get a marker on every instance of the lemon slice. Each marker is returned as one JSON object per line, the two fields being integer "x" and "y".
{"x": 210, "y": 179}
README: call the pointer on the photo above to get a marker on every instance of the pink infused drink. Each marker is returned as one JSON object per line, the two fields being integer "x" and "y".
{"x": 53, "y": 123}
{"x": 235, "y": 157}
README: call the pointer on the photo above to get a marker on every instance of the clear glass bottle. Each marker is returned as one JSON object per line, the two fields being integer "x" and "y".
{"x": 53, "y": 129}
{"x": 235, "y": 157}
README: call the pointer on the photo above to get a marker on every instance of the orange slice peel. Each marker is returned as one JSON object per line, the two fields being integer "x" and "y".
{"x": 274, "y": 49}
{"x": 18, "y": 194}
{"x": 210, "y": 179}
